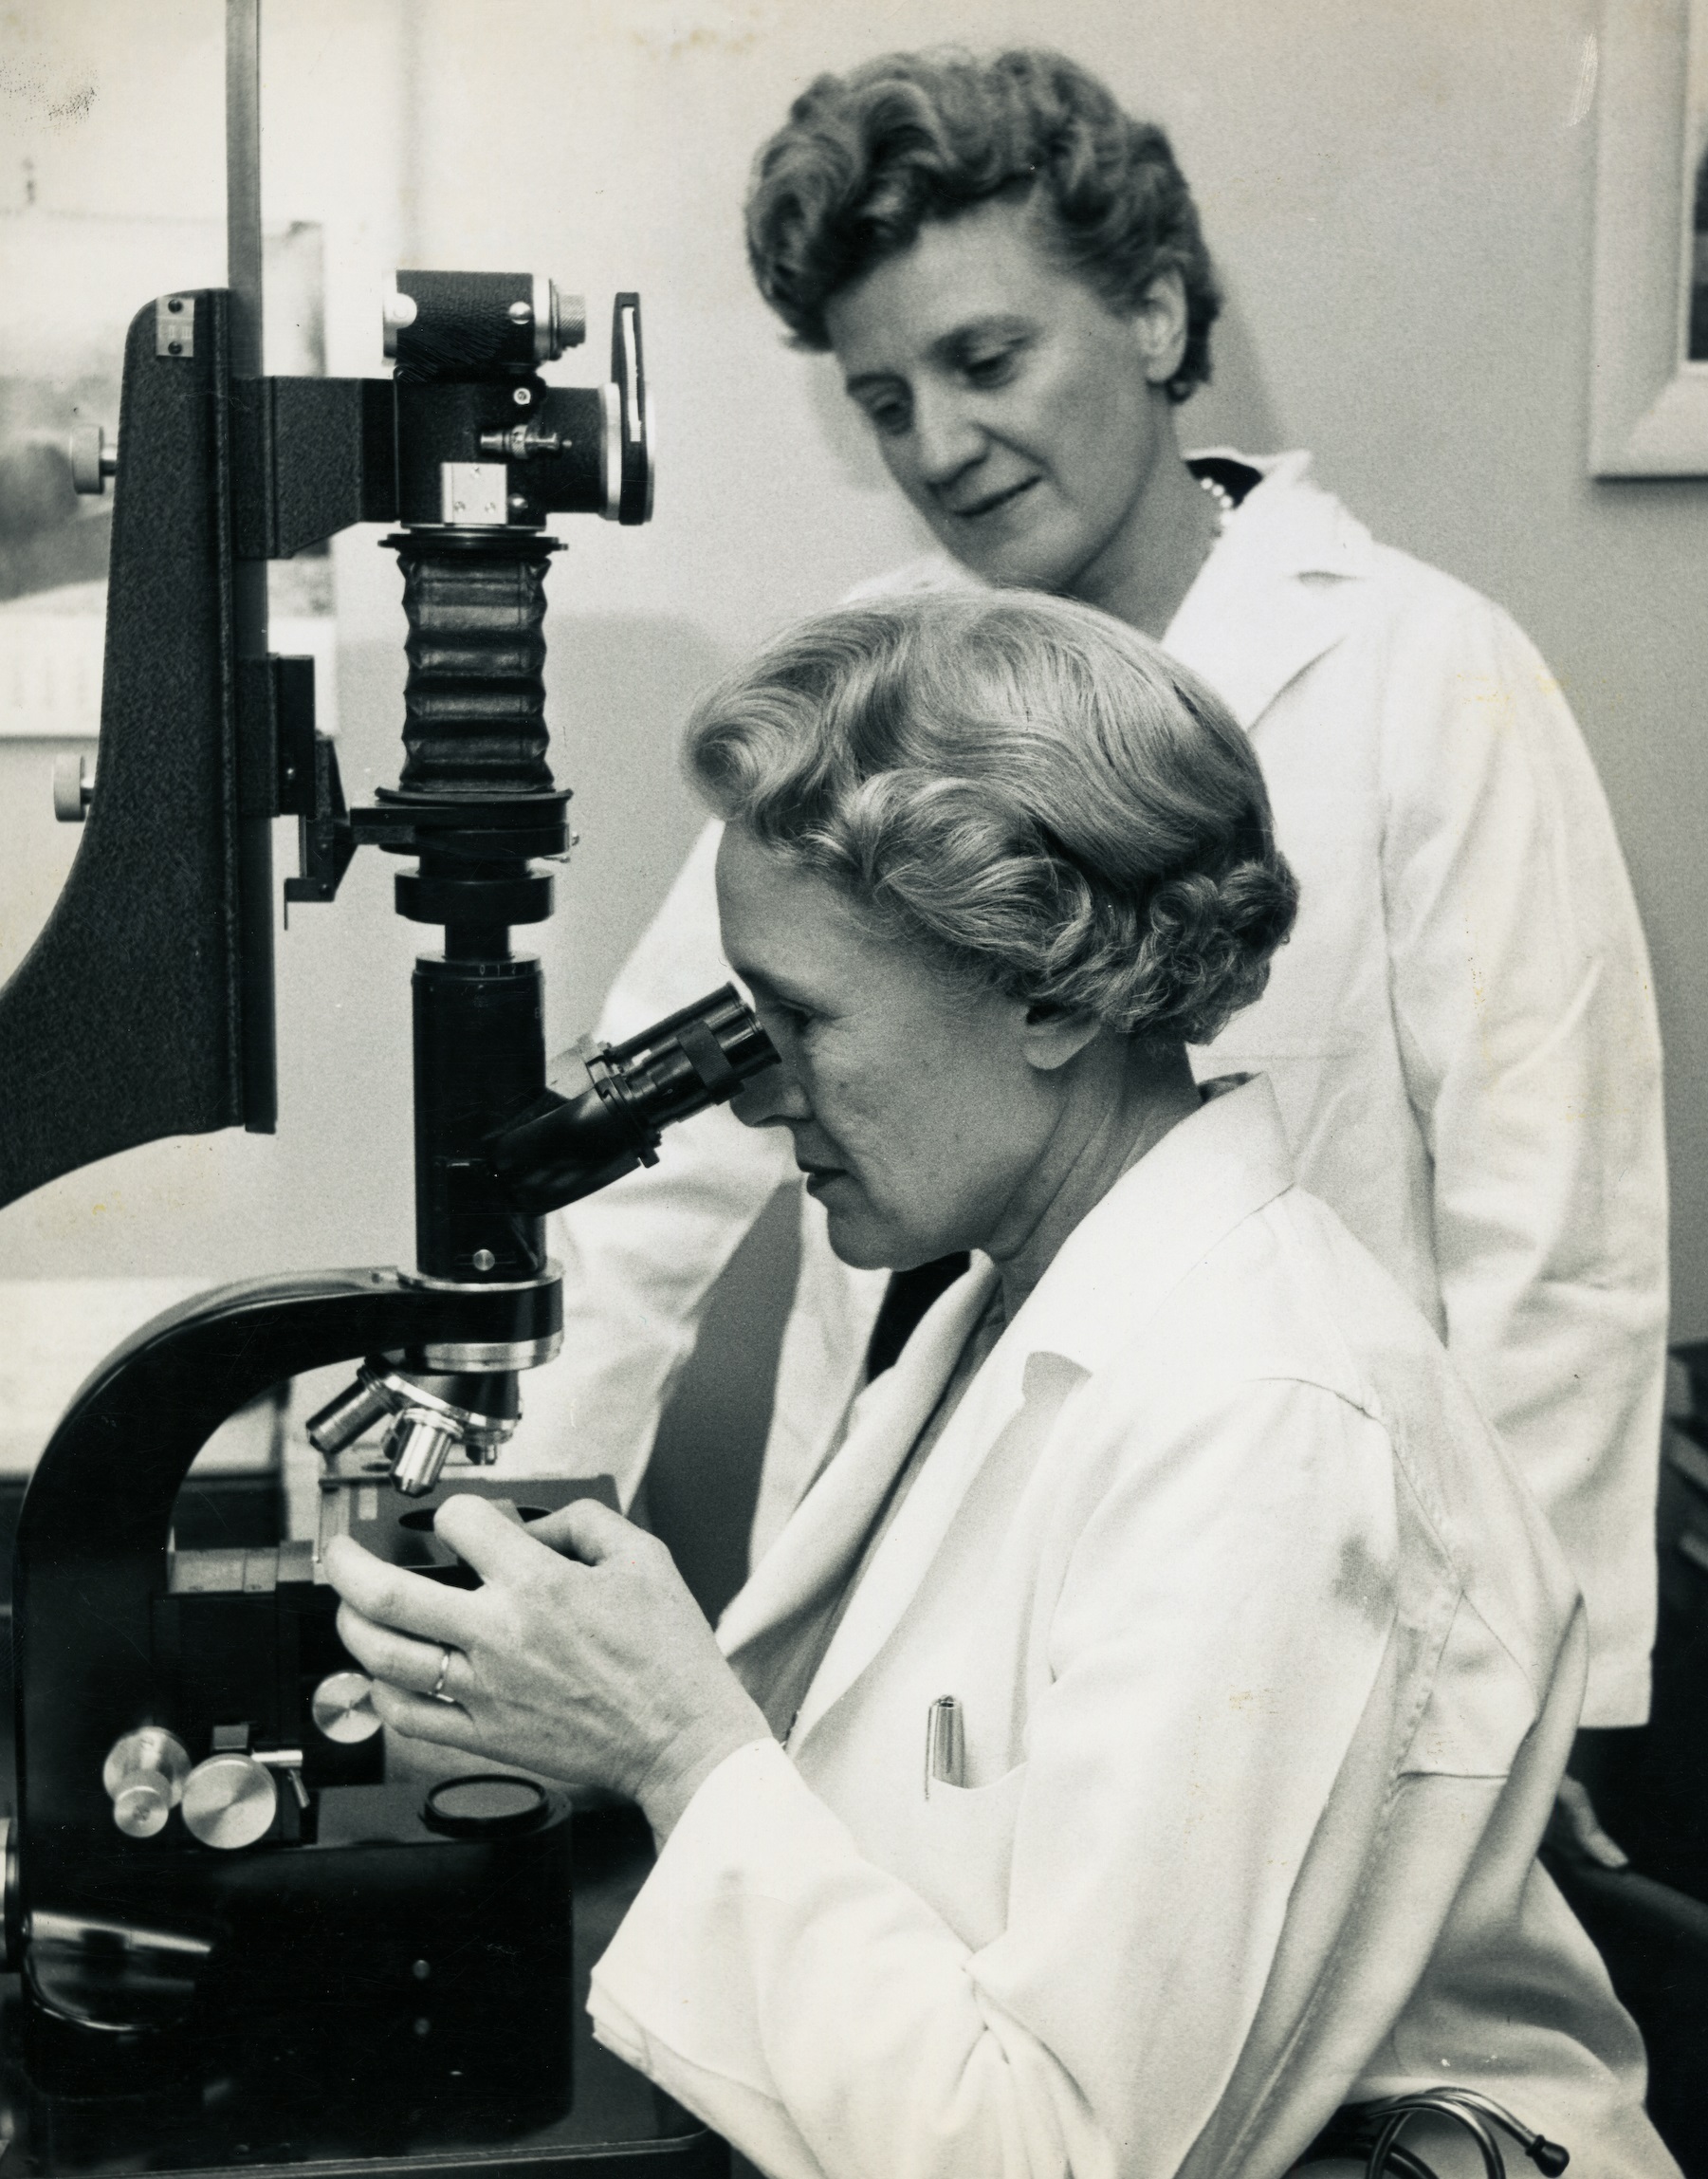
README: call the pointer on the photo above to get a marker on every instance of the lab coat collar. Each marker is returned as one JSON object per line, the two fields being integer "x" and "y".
{"x": 827, "y": 1527}
{"x": 1208, "y": 1173}
{"x": 1279, "y": 589}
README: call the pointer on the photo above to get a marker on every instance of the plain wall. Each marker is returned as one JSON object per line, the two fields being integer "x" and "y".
{"x": 1400, "y": 200}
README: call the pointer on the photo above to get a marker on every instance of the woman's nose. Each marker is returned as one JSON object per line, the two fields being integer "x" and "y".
{"x": 946, "y": 437}
{"x": 772, "y": 1098}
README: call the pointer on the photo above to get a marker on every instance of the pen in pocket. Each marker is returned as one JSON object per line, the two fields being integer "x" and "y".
{"x": 946, "y": 1754}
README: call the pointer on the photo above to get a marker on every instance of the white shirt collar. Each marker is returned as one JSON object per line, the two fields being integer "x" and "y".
{"x": 1279, "y": 589}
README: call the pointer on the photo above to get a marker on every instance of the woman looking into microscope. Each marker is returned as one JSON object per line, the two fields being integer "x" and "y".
{"x": 1135, "y": 1745}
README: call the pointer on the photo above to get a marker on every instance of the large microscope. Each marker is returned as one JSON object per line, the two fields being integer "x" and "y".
{"x": 236, "y": 1941}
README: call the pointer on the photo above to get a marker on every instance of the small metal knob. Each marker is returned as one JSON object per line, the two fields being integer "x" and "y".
{"x": 144, "y": 1777}
{"x": 343, "y": 1708}
{"x": 94, "y": 458}
{"x": 568, "y": 318}
{"x": 521, "y": 443}
{"x": 231, "y": 1800}
{"x": 73, "y": 788}
{"x": 397, "y": 313}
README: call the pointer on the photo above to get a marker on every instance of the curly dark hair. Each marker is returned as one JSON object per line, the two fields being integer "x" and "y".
{"x": 1034, "y": 793}
{"x": 865, "y": 159}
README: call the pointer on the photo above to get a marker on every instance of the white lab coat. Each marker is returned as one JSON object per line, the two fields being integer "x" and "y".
{"x": 1269, "y": 1667}
{"x": 1461, "y": 1034}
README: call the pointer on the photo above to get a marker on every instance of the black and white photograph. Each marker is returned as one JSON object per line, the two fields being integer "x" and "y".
{"x": 854, "y": 1089}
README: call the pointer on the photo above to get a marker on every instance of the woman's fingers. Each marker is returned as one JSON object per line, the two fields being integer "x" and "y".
{"x": 421, "y": 1719}
{"x": 499, "y": 1549}
{"x": 407, "y": 1661}
{"x": 393, "y": 1597}
{"x": 583, "y": 1529}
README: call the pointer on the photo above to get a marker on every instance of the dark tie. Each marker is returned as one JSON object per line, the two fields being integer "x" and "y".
{"x": 907, "y": 1297}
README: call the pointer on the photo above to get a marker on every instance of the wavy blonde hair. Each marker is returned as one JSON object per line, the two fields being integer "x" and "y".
{"x": 1033, "y": 793}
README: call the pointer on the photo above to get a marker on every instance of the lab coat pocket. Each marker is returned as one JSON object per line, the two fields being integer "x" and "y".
{"x": 965, "y": 1837}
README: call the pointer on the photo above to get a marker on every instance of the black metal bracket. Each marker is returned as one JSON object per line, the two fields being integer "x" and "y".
{"x": 310, "y": 456}
{"x": 290, "y": 769}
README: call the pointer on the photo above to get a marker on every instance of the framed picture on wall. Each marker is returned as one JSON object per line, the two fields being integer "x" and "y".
{"x": 1648, "y": 403}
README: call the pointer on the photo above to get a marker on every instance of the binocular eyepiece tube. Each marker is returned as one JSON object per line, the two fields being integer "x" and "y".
{"x": 607, "y": 1104}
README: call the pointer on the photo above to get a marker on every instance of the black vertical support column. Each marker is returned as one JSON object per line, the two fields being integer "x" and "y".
{"x": 125, "y": 1020}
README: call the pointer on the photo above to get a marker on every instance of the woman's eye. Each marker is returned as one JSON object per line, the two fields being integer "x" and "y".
{"x": 994, "y": 369}
{"x": 891, "y": 417}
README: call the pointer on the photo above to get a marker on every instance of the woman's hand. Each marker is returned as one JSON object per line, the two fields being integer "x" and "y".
{"x": 596, "y": 1665}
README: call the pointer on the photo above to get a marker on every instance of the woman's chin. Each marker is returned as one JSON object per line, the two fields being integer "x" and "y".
{"x": 1025, "y": 552}
{"x": 861, "y": 1250}
{"x": 863, "y": 1241}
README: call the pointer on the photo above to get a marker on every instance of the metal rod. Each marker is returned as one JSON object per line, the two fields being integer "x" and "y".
{"x": 243, "y": 184}
{"x": 244, "y": 279}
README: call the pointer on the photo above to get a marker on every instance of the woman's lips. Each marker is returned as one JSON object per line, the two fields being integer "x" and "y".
{"x": 994, "y": 503}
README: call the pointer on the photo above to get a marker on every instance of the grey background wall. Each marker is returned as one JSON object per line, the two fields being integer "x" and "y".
{"x": 1400, "y": 198}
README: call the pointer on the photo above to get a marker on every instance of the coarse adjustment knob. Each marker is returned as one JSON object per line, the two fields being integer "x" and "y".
{"x": 144, "y": 1777}
{"x": 231, "y": 1800}
{"x": 343, "y": 1708}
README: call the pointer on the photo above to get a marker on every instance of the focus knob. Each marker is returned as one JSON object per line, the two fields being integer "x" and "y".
{"x": 144, "y": 1777}
{"x": 343, "y": 1708}
{"x": 231, "y": 1800}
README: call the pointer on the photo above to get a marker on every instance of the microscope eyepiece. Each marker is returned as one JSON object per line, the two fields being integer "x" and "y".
{"x": 478, "y": 325}
{"x": 608, "y": 1105}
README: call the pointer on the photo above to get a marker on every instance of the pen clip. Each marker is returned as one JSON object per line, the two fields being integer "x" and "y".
{"x": 945, "y": 1752}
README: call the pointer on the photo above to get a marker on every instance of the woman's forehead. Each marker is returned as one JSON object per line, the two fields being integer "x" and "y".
{"x": 799, "y": 936}
{"x": 955, "y": 273}
{"x": 777, "y": 917}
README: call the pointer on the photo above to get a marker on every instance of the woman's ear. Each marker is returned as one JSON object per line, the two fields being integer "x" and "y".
{"x": 1159, "y": 325}
{"x": 1051, "y": 1036}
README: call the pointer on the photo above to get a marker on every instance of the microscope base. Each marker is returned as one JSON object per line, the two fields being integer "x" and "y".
{"x": 326, "y": 2085}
